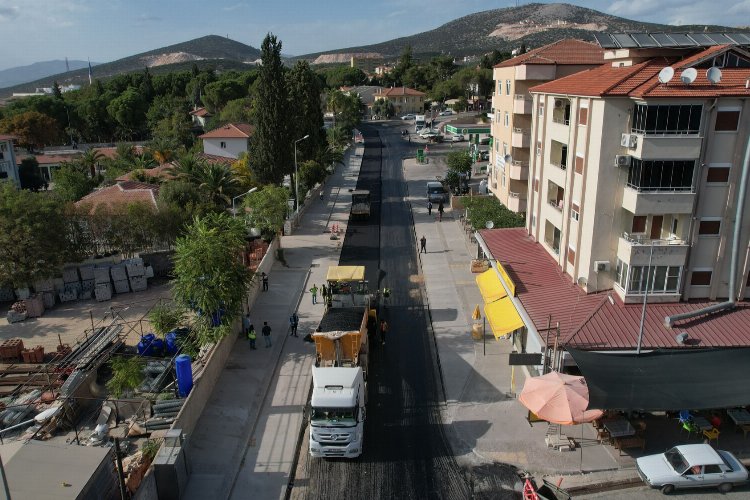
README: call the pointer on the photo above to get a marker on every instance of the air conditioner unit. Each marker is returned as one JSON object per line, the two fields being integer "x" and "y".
{"x": 601, "y": 266}
{"x": 629, "y": 141}
{"x": 623, "y": 160}
{"x": 559, "y": 103}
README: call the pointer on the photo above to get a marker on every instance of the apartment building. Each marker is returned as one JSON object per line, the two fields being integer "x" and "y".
{"x": 512, "y": 111}
{"x": 8, "y": 167}
{"x": 637, "y": 167}
{"x": 405, "y": 100}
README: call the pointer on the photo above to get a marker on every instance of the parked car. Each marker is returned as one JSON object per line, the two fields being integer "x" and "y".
{"x": 447, "y": 112}
{"x": 485, "y": 140}
{"x": 691, "y": 466}
{"x": 410, "y": 116}
{"x": 484, "y": 156}
{"x": 436, "y": 192}
{"x": 456, "y": 138}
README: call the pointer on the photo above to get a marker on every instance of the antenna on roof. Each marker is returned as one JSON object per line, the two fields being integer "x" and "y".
{"x": 666, "y": 74}
{"x": 688, "y": 76}
{"x": 713, "y": 75}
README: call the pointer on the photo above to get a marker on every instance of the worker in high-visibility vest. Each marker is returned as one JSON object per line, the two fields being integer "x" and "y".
{"x": 251, "y": 336}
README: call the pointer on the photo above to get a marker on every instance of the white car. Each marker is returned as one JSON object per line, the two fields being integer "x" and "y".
{"x": 410, "y": 116}
{"x": 447, "y": 112}
{"x": 456, "y": 138}
{"x": 691, "y": 466}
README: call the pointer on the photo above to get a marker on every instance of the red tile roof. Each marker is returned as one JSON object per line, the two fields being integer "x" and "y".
{"x": 49, "y": 159}
{"x": 642, "y": 80}
{"x": 122, "y": 193}
{"x": 224, "y": 160}
{"x": 230, "y": 131}
{"x": 162, "y": 171}
{"x": 591, "y": 321}
{"x": 6, "y": 137}
{"x": 566, "y": 51}
{"x": 397, "y": 91}
{"x": 111, "y": 152}
{"x": 200, "y": 112}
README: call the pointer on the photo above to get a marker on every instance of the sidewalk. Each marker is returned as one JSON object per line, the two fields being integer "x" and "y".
{"x": 246, "y": 438}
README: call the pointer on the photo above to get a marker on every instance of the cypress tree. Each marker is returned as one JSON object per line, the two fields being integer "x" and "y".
{"x": 304, "y": 98}
{"x": 271, "y": 145}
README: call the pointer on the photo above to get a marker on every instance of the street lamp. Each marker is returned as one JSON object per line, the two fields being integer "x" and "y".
{"x": 234, "y": 210}
{"x": 296, "y": 176}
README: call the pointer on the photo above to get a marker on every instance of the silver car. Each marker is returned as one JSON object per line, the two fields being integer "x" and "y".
{"x": 691, "y": 466}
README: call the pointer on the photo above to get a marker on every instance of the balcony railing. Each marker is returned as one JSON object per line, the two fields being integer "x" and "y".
{"x": 519, "y": 163}
{"x": 640, "y": 239}
{"x": 559, "y": 164}
{"x": 556, "y": 205}
{"x": 522, "y": 97}
{"x": 661, "y": 189}
{"x": 561, "y": 120}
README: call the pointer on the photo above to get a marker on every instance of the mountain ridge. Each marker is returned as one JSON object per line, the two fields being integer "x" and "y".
{"x": 34, "y": 71}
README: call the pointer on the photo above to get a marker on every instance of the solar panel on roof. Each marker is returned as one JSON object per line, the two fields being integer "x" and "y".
{"x": 605, "y": 41}
{"x": 719, "y": 38}
{"x": 644, "y": 40}
{"x": 682, "y": 40}
{"x": 625, "y": 41}
{"x": 740, "y": 38}
{"x": 702, "y": 39}
{"x": 663, "y": 39}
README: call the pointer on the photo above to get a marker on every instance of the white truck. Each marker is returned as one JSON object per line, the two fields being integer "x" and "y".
{"x": 339, "y": 396}
{"x": 419, "y": 123}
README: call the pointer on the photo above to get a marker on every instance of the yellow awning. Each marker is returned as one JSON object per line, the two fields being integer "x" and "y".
{"x": 346, "y": 273}
{"x": 490, "y": 286}
{"x": 502, "y": 316}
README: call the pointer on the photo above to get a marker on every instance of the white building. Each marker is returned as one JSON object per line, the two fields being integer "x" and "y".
{"x": 228, "y": 141}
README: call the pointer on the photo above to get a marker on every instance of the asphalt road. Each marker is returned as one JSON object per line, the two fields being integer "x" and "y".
{"x": 406, "y": 454}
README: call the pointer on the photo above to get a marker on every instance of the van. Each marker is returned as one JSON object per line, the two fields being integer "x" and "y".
{"x": 436, "y": 192}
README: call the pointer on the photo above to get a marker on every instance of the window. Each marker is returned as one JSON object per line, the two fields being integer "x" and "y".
{"x": 223, "y": 145}
{"x": 661, "y": 279}
{"x": 536, "y": 185}
{"x": 499, "y": 87}
{"x": 709, "y": 226}
{"x": 575, "y": 210}
{"x": 507, "y": 119}
{"x": 541, "y": 109}
{"x": 507, "y": 87}
{"x": 583, "y": 116}
{"x": 621, "y": 273}
{"x": 571, "y": 255}
{"x": 727, "y": 121}
{"x": 661, "y": 175}
{"x": 666, "y": 119}
{"x": 701, "y": 278}
{"x": 579, "y": 164}
{"x": 3, "y": 174}
{"x": 639, "y": 224}
{"x": 502, "y": 180}
{"x": 675, "y": 223}
{"x": 712, "y": 469}
{"x": 533, "y": 224}
{"x": 539, "y": 148}
{"x": 505, "y": 149}
{"x": 717, "y": 175}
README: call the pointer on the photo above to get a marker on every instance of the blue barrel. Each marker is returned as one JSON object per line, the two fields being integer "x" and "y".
{"x": 184, "y": 375}
{"x": 157, "y": 347}
{"x": 145, "y": 345}
{"x": 171, "y": 341}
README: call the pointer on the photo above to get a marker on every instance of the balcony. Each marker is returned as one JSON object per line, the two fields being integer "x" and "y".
{"x": 636, "y": 251}
{"x": 516, "y": 203}
{"x": 674, "y": 147}
{"x": 519, "y": 170}
{"x": 520, "y": 138}
{"x": 522, "y": 104}
{"x": 677, "y": 201}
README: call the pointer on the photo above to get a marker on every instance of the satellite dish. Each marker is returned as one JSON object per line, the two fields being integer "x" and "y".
{"x": 508, "y": 158}
{"x": 688, "y": 76}
{"x": 681, "y": 338}
{"x": 489, "y": 224}
{"x": 713, "y": 75}
{"x": 666, "y": 74}
{"x": 582, "y": 281}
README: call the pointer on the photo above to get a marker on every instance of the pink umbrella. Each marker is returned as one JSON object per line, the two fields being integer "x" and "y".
{"x": 558, "y": 398}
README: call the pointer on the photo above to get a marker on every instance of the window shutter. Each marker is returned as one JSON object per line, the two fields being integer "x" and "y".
{"x": 583, "y": 116}
{"x": 579, "y": 165}
{"x": 701, "y": 278}
{"x": 639, "y": 224}
{"x": 571, "y": 255}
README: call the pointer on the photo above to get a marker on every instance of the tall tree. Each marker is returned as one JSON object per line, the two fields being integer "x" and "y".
{"x": 32, "y": 128}
{"x": 271, "y": 147}
{"x": 304, "y": 98}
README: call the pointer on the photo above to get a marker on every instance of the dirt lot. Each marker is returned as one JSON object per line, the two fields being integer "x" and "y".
{"x": 71, "y": 320}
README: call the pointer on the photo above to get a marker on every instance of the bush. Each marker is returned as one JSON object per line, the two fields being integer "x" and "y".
{"x": 481, "y": 209}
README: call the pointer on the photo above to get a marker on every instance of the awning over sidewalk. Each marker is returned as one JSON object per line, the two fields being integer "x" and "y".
{"x": 502, "y": 316}
{"x": 666, "y": 379}
{"x": 490, "y": 286}
{"x": 346, "y": 273}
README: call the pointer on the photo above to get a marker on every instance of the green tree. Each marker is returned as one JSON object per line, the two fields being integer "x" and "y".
{"x": 29, "y": 249}
{"x": 217, "y": 94}
{"x": 482, "y": 209}
{"x": 459, "y": 161}
{"x": 340, "y": 76}
{"x": 216, "y": 182}
{"x": 304, "y": 98}
{"x": 71, "y": 183}
{"x": 310, "y": 173}
{"x": 267, "y": 209}
{"x": 91, "y": 159}
{"x": 29, "y": 174}
{"x": 271, "y": 148}
{"x": 383, "y": 107}
{"x": 208, "y": 270}
{"x": 237, "y": 111}
{"x": 129, "y": 112}
{"x": 32, "y": 128}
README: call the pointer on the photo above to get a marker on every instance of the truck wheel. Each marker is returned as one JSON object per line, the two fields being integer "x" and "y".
{"x": 725, "y": 487}
{"x": 667, "y": 489}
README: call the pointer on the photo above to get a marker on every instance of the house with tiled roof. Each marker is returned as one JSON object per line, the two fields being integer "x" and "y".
{"x": 200, "y": 116}
{"x": 120, "y": 195}
{"x": 405, "y": 100}
{"x": 512, "y": 111}
{"x": 228, "y": 141}
{"x": 636, "y": 195}
{"x": 8, "y": 166}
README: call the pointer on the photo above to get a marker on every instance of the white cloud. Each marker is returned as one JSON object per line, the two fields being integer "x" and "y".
{"x": 9, "y": 12}
{"x": 237, "y": 6}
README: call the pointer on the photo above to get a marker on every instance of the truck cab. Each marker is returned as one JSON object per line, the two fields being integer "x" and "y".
{"x": 337, "y": 413}
{"x": 419, "y": 123}
{"x": 360, "y": 203}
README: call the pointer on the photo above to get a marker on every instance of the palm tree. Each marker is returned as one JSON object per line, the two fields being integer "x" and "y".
{"x": 334, "y": 102}
{"x": 162, "y": 150}
{"x": 188, "y": 167}
{"x": 143, "y": 162}
{"x": 218, "y": 183}
{"x": 90, "y": 160}
{"x": 337, "y": 138}
{"x": 330, "y": 155}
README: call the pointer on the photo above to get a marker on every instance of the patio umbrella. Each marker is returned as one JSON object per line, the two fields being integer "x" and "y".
{"x": 558, "y": 398}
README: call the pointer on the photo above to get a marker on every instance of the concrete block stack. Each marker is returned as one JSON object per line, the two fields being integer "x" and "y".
{"x": 119, "y": 275}
{"x": 103, "y": 291}
{"x": 7, "y": 295}
{"x": 69, "y": 292}
{"x": 17, "y": 312}
{"x": 23, "y": 293}
{"x": 34, "y": 306}
{"x": 46, "y": 290}
{"x": 87, "y": 281}
{"x": 48, "y": 298}
{"x": 70, "y": 275}
{"x": 136, "y": 275}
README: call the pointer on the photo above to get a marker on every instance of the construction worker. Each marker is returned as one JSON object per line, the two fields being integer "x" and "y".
{"x": 251, "y": 336}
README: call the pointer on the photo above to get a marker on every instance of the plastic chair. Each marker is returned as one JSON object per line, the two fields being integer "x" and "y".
{"x": 712, "y": 434}
{"x": 690, "y": 427}
{"x": 685, "y": 416}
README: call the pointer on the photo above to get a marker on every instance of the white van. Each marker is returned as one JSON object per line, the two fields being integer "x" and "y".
{"x": 436, "y": 192}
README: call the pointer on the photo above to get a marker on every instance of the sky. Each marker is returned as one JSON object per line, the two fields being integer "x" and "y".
{"x": 106, "y": 30}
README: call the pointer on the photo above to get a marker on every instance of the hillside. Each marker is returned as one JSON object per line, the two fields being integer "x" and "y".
{"x": 505, "y": 29}
{"x": 21, "y": 74}
{"x": 212, "y": 50}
